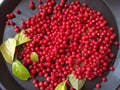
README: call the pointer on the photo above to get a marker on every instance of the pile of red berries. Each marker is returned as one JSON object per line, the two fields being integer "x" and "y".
{"x": 68, "y": 39}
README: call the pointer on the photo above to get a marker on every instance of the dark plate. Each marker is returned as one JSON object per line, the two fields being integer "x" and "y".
{"x": 110, "y": 10}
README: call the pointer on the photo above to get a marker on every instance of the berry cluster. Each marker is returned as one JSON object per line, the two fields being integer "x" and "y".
{"x": 68, "y": 39}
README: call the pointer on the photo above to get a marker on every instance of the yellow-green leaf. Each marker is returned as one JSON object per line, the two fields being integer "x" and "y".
{"x": 7, "y": 49}
{"x": 20, "y": 71}
{"x": 61, "y": 86}
{"x": 34, "y": 57}
{"x": 75, "y": 82}
{"x": 21, "y": 38}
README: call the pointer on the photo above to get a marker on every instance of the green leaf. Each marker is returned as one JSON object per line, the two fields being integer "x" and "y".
{"x": 20, "y": 71}
{"x": 21, "y": 38}
{"x": 61, "y": 86}
{"x": 75, "y": 82}
{"x": 7, "y": 49}
{"x": 34, "y": 57}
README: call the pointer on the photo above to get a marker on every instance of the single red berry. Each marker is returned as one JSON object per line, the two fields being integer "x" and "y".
{"x": 12, "y": 23}
{"x": 98, "y": 85}
{"x": 12, "y": 15}
{"x": 41, "y": 84}
{"x": 7, "y": 22}
{"x": 40, "y": 1}
{"x": 35, "y": 81}
{"x": 112, "y": 68}
{"x": 104, "y": 79}
{"x": 17, "y": 11}
{"x": 116, "y": 43}
{"x": 112, "y": 55}
{"x": 23, "y": 25}
{"x": 31, "y": 5}
{"x": 8, "y": 16}
{"x": 16, "y": 29}
{"x": 36, "y": 85}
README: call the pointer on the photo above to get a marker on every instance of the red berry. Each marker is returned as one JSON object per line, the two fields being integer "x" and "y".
{"x": 98, "y": 85}
{"x": 17, "y": 11}
{"x": 35, "y": 81}
{"x": 36, "y": 85}
{"x": 31, "y": 5}
{"x": 23, "y": 24}
{"x": 112, "y": 55}
{"x": 16, "y": 29}
{"x": 111, "y": 68}
{"x": 41, "y": 84}
{"x": 12, "y": 15}
{"x": 8, "y": 16}
{"x": 104, "y": 79}
{"x": 7, "y": 22}
{"x": 116, "y": 43}
{"x": 12, "y": 23}
{"x": 40, "y": 1}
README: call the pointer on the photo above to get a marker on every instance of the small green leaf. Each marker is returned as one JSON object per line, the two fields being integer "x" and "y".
{"x": 20, "y": 71}
{"x": 75, "y": 82}
{"x": 21, "y": 38}
{"x": 34, "y": 57}
{"x": 61, "y": 86}
{"x": 7, "y": 49}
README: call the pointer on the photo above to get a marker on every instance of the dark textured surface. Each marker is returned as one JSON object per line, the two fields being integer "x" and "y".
{"x": 109, "y": 8}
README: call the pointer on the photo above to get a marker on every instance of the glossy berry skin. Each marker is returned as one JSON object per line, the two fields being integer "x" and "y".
{"x": 104, "y": 79}
{"x": 111, "y": 68}
{"x": 31, "y": 4}
{"x": 16, "y": 29}
{"x": 98, "y": 85}
{"x": 10, "y": 16}
{"x": 17, "y": 11}
{"x": 116, "y": 43}
{"x": 40, "y": 1}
